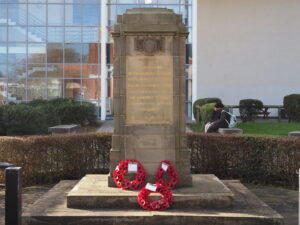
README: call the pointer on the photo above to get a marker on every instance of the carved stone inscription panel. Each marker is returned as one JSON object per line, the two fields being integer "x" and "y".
{"x": 149, "y": 90}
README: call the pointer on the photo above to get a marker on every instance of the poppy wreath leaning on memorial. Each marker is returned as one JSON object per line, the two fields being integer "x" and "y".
{"x": 166, "y": 166}
{"x": 162, "y": 204}
{"x": 122, "y": 169}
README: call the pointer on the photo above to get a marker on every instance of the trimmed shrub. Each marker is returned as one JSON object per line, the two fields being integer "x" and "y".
{"x": 249, "y": 109}
{"x": 205, "y": 113}
{"x": 22, "y": 119}
{"x": 291, "y": 104}
{"x": 202, "y": 101}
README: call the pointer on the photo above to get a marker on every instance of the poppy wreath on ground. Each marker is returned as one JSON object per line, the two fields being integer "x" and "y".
{"x": 162, "y": 204}
{"x": 166, "y": 166}
{"x": 122, "y": 169}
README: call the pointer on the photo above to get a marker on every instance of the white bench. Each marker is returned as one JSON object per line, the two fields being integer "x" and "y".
{"x": 294, "y": 134}
{"x": 230, "y": 131}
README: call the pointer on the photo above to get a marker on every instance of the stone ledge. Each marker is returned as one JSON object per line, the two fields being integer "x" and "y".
{"x": 230, "y": 131}
{"x": 294, "y": 134}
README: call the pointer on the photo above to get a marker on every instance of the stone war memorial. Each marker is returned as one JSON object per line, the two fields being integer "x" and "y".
{"x": 149, "y": 114}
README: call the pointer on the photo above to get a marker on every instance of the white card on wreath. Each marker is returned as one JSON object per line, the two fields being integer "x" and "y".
{"x": 151, "y": 187}
{"x": 132, "y": 167}
{"x": 164, "y": 166}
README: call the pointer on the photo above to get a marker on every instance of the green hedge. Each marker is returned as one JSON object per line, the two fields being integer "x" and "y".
{"x": 292, "y": 106}
{"x": 249, "y": 109}
{"x": 36, "y": 116}
{"x": 249, "y": 158}
{"x": 201, "y": 102}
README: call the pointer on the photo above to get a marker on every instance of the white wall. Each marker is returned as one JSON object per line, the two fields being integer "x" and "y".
{"x": 248, "y": 49}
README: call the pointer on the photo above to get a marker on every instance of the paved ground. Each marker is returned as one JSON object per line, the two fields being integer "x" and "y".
{"x": 108, "y": 126}
{"x": 282, "y": 200}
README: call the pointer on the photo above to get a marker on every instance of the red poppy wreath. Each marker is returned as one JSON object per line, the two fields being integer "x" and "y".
{"x": 162, "y": 204}
{"x": 123, "y": 168}
{"x": 166, "y": 166}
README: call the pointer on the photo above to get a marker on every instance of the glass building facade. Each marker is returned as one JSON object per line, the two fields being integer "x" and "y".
{"x": 52, "y": 48}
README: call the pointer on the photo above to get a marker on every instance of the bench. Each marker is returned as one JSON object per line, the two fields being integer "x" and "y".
{"x": 230, "y": 131}
{"x": 63, "y": 129}
{"x": 294, "y": 134}
{"x": 264, "y": 112}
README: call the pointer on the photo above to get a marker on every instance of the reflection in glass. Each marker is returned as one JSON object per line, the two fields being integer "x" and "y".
{"x": 73, "y": 14}
{"x": 73, "y": 34}
{"x": 90, "y": 89}
{"x": 189, "y": 56}
{"x": 16, "y": 90}
{"x": 55, "y": 88}
{"x": 55, "y": 1}
{"x": 36, "y": 71}
{"x": 17, "y": 71}
{"x": 72, "y": 89}
{"x": 72, "y": 53}
{"x": 36, "y": 34}
{"x": 168, "y": 1}
{"x": 17, "y": 14}
{"x": 17, "y": 53}
{"x": 72, "y": 70}
{"x": 3, "y": 70}
{"x": 3, "y": 91}
{"x": 90, "y": 15}
{"x": 3, "y": 13}
{"x": 55, "y": 70}
{"x": 36, "y": 14}
{"x": 36, "y": 53}
{"x": 36, "y": 89}
{"x": 58, "y": 11}
{"x": 90, "y": 34}
{"x": 90, "y": 71}
{"x": 17, "y": 34}
{"x": 55, "y": 34}
{"x": 90, "y": 53}
{"x": 54, "y": 53}
{"x": 3, "y": 33}
{"x": 3, "y": 53}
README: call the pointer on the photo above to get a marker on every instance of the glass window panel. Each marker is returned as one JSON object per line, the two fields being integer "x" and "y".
{"x": 17, "y": 71}
{"x": 55, "y": 70}
{"x": 55, "y": 34}
{"x": 90, "y": 15}
{"x": 36, "y": 89}
{"x": 15, "y": 1}
{"x": 73, "y": 1}
{"x": 73, "y": 34}
{"x": 110, "y": 53}
{"x": 186, "y": 1}
{"x": 17, "y": 34}
{"x": 55, "y": 88}
{"x": 72, "y": 53}
{"x": 189, "y": 56}
{"x": 16, "y": 90}
{"x": 72, "y": 89}
{"x": 148, "y": 2}
{"x": 175, "y": 8}
{"x": 37, "y": 14}
{"x": 36, "y": 34}
{"x": 72, "y": 70}
{"x": 17, "y": 14}
{"x": 58, "y": 11}
{"x": 90, "y": 53}
{"x": 36, "y": 1}
{"x": 17, "y": 53}
{"x": 36, "y": 71}
{"x": 90, "y": 71}
{"x": 3, "y": 14}
{"x": 55, "y": 1}
{"x": 90, "y": 34}
{"x": 127, "y": 1}
{"x": 3, "y": 70}
{"x": 122, "y": 8}
{"x": 168, "y": 1}
{"x": 189, "y": 40}
{"x": 73, "y": 14}
{"x": 91, "y": 1}
{"x": 90, "y": 89}
{"x": 3, "y": 90}
{"x": 54, "y": 53}
{"x": 3, "y": 53}
{"x": 36, "y": 53}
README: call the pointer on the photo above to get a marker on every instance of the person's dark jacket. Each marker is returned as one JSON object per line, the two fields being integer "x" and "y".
{"x": 223, "y": 120}
{"x": 216, "y": 115}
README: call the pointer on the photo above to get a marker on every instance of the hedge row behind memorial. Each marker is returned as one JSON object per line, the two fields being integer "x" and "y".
{"x": 249, "y": 158}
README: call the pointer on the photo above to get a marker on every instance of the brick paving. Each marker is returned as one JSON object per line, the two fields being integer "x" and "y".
{"x": 284, "y": 201}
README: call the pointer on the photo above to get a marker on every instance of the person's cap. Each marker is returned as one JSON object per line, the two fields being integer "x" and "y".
{"x": 219, "y": 105}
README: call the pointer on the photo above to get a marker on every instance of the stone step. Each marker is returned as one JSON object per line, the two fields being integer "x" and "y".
{"x": 93, "y": 192}
{"x": 230, "y": 131}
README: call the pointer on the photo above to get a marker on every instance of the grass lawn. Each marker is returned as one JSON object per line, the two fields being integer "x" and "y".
{"x": 265, "y": 128}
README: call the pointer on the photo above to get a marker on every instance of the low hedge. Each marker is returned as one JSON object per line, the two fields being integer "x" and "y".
{"x": 249, "y": 158}
{"x": 201, "y": 102}
{"x": 291, "y": 104}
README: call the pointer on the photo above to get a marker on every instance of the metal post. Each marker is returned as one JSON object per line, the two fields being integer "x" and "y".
{"x": 194, "y": 52}
{"x": 13, "y": 195}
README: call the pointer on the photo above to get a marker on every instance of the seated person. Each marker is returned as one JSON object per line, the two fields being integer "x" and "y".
{"x": 220, "y": 119}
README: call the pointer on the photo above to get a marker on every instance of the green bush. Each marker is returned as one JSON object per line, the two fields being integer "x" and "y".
{"x": 22, "y": 119}
{"x": 291, "y": 104}
{"x": 249, "y": 109}
{"x": 202, "y": 101}
{"x": 205, "y": 113}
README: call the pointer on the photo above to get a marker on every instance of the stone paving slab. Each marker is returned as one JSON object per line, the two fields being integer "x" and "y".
{"x": 92, "y": 191}
{"x": 248, "y": 210}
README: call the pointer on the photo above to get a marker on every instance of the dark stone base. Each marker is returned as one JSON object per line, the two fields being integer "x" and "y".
{"x": 247, "y": 210}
